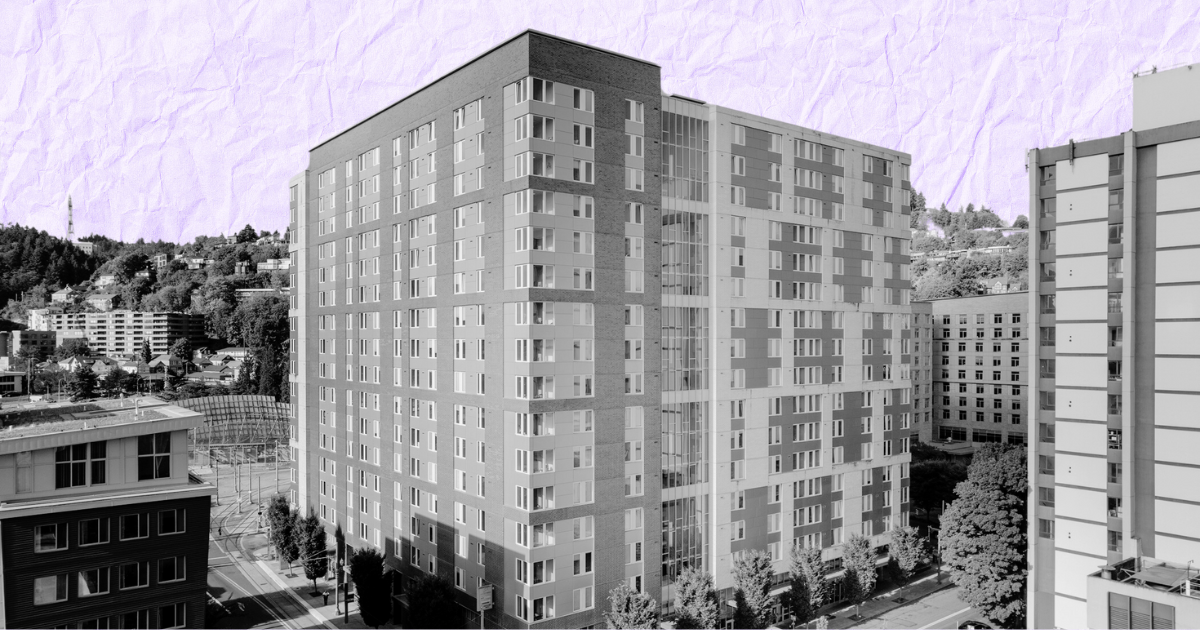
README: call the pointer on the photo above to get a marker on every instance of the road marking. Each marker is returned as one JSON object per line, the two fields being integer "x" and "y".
{"x": 950, "y": 616}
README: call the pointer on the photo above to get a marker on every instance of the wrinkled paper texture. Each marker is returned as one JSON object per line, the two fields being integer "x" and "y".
{"x": 177, "y": 118}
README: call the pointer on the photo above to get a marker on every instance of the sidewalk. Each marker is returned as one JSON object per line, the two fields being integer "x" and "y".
{"x": 299, "y": 588}
{"x": 923, "y": 584}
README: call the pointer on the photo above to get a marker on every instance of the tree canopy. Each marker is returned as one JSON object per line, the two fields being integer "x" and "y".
{"x": 628, "y": 608}
{"x": 696, "y": 600}
{"x": 809, "y": 589}
{"x": 752, "y": 578}
{"x": 984, "y": 534}
{"x": 371, "y": 587}
{"x": 431, "y": 604}
{"x": 858, "y": 558}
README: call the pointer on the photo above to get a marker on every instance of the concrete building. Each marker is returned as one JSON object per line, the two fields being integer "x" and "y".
{"x": 103, "y": 527}
{"x": 981, "y": 367}
{"x": 1113, "y": 533}
{"x": 922, "y": 371}
{"x": 556, "y": 331}
{"x": 13, "y": 383}
{"x": 120, "y": 333}
{"x": 41, "y": 341}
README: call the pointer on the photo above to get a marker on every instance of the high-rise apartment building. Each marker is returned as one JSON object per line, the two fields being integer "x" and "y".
{"x": 980, "y": 372}
{"x": 922, "y": 371}
{"x": 121, "y": 333}
{"x": 555, "y": 330}
{"x": 1113, "y": 464}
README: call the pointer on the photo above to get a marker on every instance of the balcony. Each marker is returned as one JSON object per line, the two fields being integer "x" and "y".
{"x": 1144, "y": 593}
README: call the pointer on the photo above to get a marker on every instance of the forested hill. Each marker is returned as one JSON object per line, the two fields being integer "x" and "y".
{"x": 30, "y": 257}
{"x": 967, "y": 229}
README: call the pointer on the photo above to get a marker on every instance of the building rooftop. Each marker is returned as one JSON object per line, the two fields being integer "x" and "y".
{"x": 1156, "y": 574}
{"x": 23, "y": 421}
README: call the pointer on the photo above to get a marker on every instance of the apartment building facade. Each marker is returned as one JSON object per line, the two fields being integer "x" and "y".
{"x": 121, "y": 332}
{"x": 922, "y": 371}
{"x": 542, "y": 309}
{"x": 981, "y": 366}
{"x": 102, "y": 524}
{"x": 1117, "y": 306}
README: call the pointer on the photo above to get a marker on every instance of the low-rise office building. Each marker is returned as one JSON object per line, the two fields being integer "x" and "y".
{"x": 102, "y": 525}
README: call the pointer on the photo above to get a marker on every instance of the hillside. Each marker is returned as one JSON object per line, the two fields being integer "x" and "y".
{"x": 966, "y": 229}
{"x": 41, "y": 264}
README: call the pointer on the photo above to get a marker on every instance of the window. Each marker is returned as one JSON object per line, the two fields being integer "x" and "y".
{"x": 50, "y": 538}
{"x": 93, "y": 531}
{"x": 134, "y": 575}
{"x": 172, "y": 521}
{"x": 135, "y": 526}
{"x": 49, "y": 589}
{"x": 583, "y": 99}
{"x": 93, "y": 582}
{"x": 172, "y": 569}
{"x": 634, "y": 111}
{"x": 154, "y": 456}
{"x": 172, "y": 616}
{"x": 1045, "y": 528}
{"x": 72, "y": 464}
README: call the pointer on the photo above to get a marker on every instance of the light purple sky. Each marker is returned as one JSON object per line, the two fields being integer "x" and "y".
{"x": 179, "y": 118}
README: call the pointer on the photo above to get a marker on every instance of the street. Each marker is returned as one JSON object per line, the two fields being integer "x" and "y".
{"x": 250, "y": 598}
{"x": 942, "y": 609}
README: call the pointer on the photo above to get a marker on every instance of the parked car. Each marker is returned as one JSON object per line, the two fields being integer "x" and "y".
{"x": 974, "y": 625}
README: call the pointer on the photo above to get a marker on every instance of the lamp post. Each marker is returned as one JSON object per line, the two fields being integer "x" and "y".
{"x": 938, "y": 552}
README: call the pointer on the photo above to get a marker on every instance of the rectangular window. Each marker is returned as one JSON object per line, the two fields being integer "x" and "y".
{"x": 134, "y": 575}
{"x": 135, "y": 526}
{"x": 51, "y": 537}
{"x": 172, "y": 569}
{"x": 154, "y": 456}
{"x": 49, "y": 589}
{"x": 172, "y": 521}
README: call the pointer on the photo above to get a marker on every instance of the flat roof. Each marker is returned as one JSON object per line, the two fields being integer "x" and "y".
{"x": 485, "y": 53}
{"x": 31, "y": 420}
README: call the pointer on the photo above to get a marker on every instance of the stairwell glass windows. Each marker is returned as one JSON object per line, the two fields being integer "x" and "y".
{"x": 154, "y": 456}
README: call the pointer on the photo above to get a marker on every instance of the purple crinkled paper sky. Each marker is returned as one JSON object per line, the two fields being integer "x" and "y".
{"x": 180, "y": 118}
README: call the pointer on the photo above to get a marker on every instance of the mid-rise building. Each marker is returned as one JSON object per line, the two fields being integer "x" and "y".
{"x": 1116, "y": 293}
{"x": 121, "y": 332}
{"x": 981, "y": 366}
{"x": 42, "y": 342}
{"x": 556, "y": 331}
{"x": 103, "y": 527}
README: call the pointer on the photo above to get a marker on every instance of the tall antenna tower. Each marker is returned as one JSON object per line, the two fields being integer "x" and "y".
{"x": 70, "y": 221}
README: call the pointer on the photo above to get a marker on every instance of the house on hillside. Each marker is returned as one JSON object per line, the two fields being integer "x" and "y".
{"x": 105, "y": 280}
{"x": 65, "y": 295}
{"x": 103, "y": 301}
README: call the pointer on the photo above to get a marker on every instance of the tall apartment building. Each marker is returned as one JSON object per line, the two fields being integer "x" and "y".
{"x": 922, "y": 371}
{"x": 557, "y": 331}
{"x": 981, "y": 366}
{"x": 103, "y": 527}
{"x": 1113, "y": 535}
{"x": 121, "y": 333}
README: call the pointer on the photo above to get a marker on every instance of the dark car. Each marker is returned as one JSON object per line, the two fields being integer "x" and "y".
{"x": 974, "y": 625}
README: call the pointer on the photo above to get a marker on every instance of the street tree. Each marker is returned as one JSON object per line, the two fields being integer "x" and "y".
{"x": 84, "y": 381}
{"x": 752, "y": 577}
{"x": 933, "y": 477}
{"x": 908, "y": 550}
{"x": 1021, "y": 222}
{"x": 984, "y": 538}
{"x": 182, "y": 350}
{"x": 145, "y": 355}
{"x": 431, "y": 604}
{"x": 808, "y": 586}
{"x": 858, "y": 559}
{"x": 696, "y": 600}
{"x": 282, "y": 520}
{"x": 630, "y": 609}
{"x": 374, "y": 601}
{"x": 313, "y": 553}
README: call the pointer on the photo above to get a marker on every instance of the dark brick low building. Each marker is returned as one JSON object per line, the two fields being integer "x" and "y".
{"x": 100, "y": 524}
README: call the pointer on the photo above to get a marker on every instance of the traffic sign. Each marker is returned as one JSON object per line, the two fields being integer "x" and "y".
{"x": 483, "y": 598}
